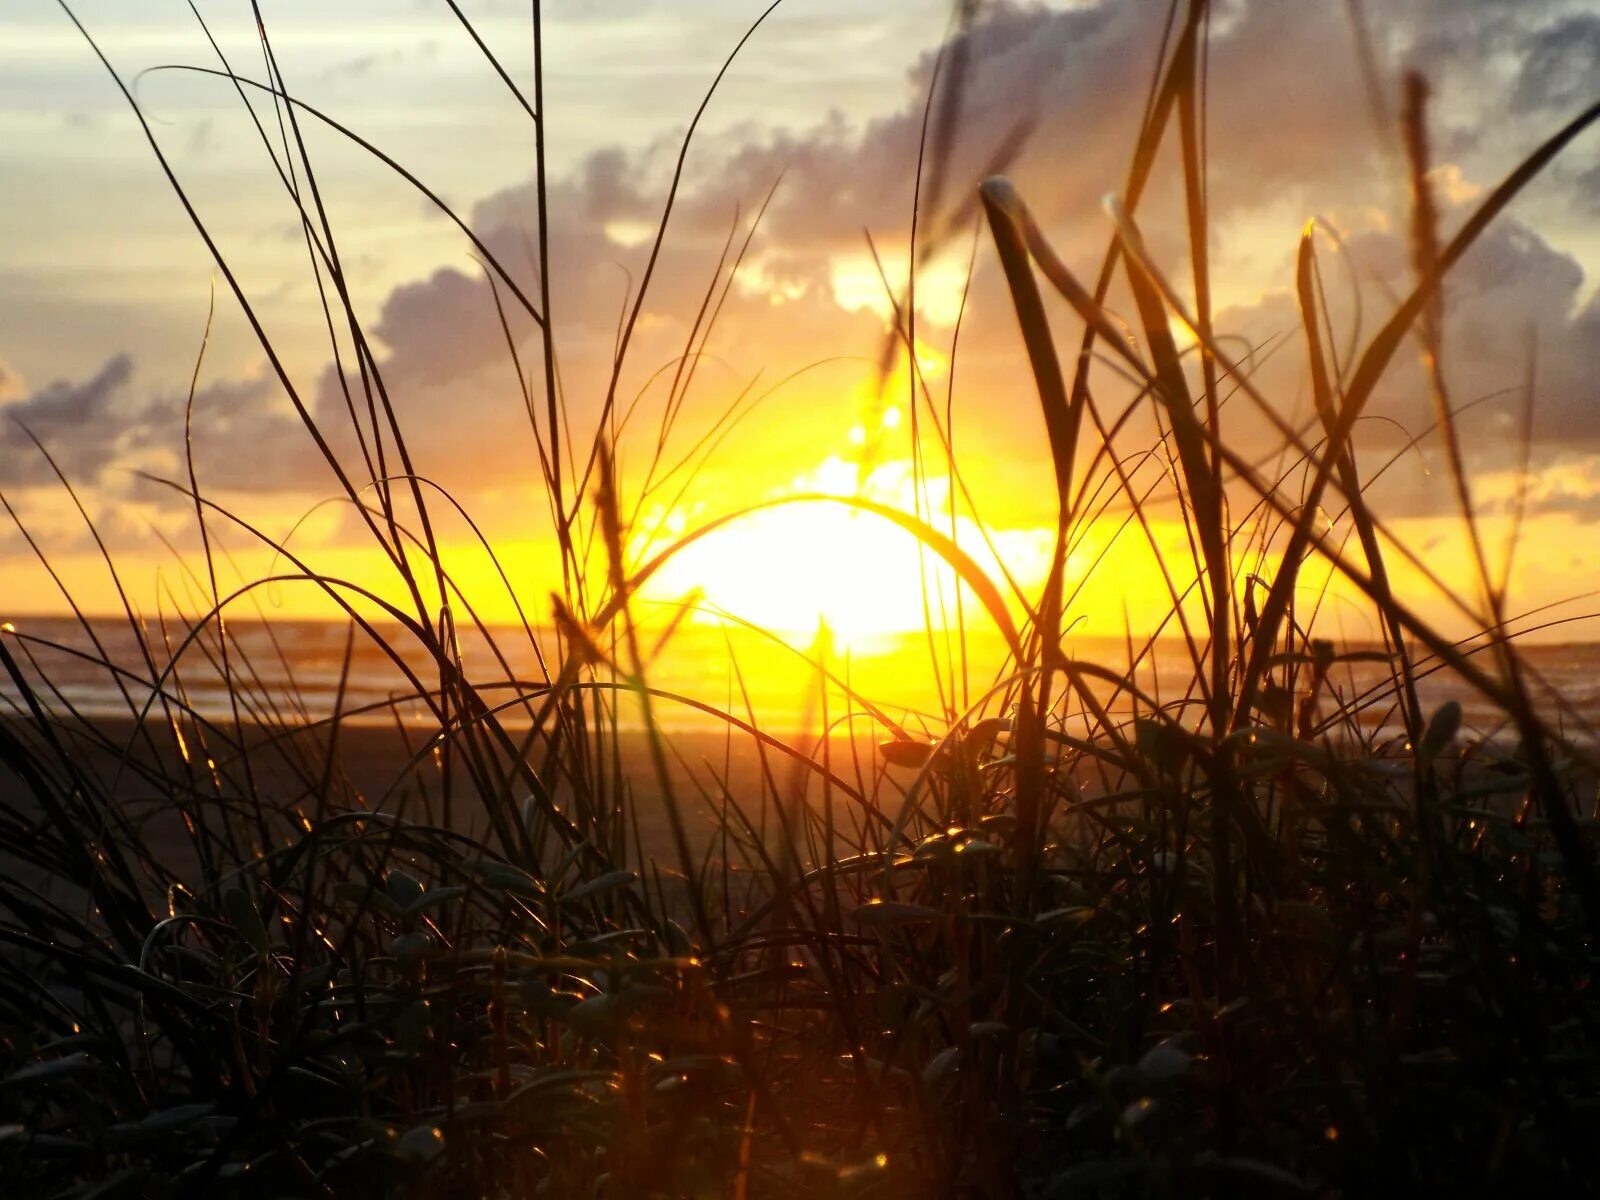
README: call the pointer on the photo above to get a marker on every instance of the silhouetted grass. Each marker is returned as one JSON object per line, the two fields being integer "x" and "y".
{"x": 1080, "y": 940}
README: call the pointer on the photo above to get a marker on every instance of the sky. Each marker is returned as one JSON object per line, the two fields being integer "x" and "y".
{"x": 105, "y": 286}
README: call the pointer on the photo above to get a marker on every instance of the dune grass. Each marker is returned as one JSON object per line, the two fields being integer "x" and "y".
{"x": 1083, "y": 940}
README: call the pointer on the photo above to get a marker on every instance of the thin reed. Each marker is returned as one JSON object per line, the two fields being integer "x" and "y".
{"x": 1275, "y": 932}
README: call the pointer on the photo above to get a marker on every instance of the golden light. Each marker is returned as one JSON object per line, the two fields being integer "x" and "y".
{"x": 789, "y": 568}
{"x": 858, "y": 284}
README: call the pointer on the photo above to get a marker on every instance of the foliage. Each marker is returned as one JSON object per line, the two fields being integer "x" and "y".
{"x": 1079, "y": 940}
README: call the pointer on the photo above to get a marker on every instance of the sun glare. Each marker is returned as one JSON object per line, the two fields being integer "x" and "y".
{"x": 786, "y": 569}
{"x": 789, "y": 568}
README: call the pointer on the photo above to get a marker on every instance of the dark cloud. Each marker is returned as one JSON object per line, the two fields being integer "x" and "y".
{"x": 202, "y": 138}
{"x": 363, "y": 65}
{"x": 1560, "y": 65}
{"x": 1559, "y": 493}
{"x": 99, "y": 431}
{"x": 446, "y": 366}
{"x": 78, "y": 422}
{"x": 245, "y": 438}
{"x": 439, "y": 328}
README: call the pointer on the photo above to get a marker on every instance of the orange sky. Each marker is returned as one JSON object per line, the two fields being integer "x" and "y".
{"x": 105, "y": 303}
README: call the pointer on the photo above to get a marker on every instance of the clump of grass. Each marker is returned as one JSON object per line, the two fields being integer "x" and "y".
{"x": 1077, "y": 939}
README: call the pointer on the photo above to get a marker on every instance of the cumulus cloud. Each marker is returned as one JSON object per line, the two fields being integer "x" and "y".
{"x": 245, "y": 438}
{"x": 79, "y": 422}
{"x": 100, "y": 431}
{"x": 1514, "y": 310}
{"x": 1512, "y": 297}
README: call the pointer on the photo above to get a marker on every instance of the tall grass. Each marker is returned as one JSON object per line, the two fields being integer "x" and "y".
{"x": 1080, "y": 939}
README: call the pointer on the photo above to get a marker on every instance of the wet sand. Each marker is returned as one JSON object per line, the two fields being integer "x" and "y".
{"x": 379, "y": 768}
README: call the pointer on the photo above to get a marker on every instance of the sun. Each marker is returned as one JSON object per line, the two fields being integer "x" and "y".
{"x": 789, "y": 568}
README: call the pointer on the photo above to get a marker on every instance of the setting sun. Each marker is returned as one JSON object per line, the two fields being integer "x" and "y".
{"x": 789, "y": 568}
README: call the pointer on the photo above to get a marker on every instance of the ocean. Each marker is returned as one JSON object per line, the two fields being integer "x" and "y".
{"x": 294, "y": 670}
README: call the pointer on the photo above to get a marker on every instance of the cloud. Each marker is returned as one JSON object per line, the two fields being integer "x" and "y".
{"x": 77, "y": 422}
{"x": 11, "y": 384}
{"x": 445, "y": 363}
{"x": 1289, "y": 135}
{"x": 100, "y": 431}
{"x": 1513, "y": 305}
{"x": 245, "y": 438}
{"x": 1512, "y": 295}
{"x": 1560, "y": 63}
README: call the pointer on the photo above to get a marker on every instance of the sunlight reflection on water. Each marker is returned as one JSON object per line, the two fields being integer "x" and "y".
{"x": 298, "y": 666}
